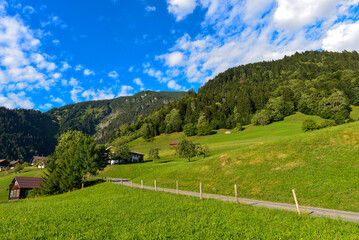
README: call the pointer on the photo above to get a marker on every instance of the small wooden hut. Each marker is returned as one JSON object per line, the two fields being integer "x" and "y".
{"x": 20, "y": 186}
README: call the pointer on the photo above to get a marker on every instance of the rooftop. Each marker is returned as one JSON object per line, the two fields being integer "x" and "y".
{"x": 29, "y": 182}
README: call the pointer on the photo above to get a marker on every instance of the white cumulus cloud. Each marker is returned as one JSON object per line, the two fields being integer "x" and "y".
{"x": 181, "y": 8}
{"x": 113, "y": 74}
{"x": 343, "y": 36}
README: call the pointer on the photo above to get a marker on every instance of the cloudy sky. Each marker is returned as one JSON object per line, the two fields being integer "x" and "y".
{"x": 59, "y": 52}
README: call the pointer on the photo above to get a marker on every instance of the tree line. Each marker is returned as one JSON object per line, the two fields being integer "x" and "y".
{"x": 314, "y": 82}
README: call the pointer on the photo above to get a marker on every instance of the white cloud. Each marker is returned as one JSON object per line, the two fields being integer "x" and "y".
{"x": 75, "y": 93}
{"x": 343, "y": 36}
{"x": 181, "y": 8}
{"x": 130, "y": 69}
{"x": 55, "y": 21}
{"x": 173, "y": 59}
{"x": 79, "y": 67}
{"x": 57, "y": 100}
{"x": 88, "y": 72}
{"x": 125, "y": 91}
{"x": 298, "y": 13}
{"x": 16, "y": 100}
{"x": 150, "y": 8}
{"x": 98, "y": 95}
{"x": 65, "y": 66}
{"x": 46, "y": 106}
{"x": 113, "y": 74}
{"x": 56, "y": 42}
{"x": 138, "y": 82}
{"x": 173, "y": 85}
{"x": 28, "y": 10}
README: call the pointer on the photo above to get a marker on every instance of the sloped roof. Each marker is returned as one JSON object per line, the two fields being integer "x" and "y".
{"x": 174, "y": 143}
{"x": 29, "y": 182}
{"x": 137, "y": 153}
{"x": 38, "y": 158}
{"x": 13, "y": 162}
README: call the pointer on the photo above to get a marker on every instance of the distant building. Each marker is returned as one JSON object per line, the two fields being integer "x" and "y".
{"x": 173, "y": 144}
{"x": 4, "y": 164}
{"x": 39, "y": 161}
{"x": 13, "y": 164}
{"x": 136, "y": 157}
{"x": 20, "y": 186}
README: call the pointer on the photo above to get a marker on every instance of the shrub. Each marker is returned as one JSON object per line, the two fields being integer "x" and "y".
{"x": 327, "y": 123}
{"x": 204, "y": 129}
{"x": 309, "y": 125}
{"x": 239, "y": 127}
{"x": 190, "y": 129}
{"x": 25, "y": 164}
{"x": 261, "y": 118}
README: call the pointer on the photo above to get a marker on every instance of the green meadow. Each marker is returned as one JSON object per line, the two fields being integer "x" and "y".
{"x": 265, "y": 162}
{"x": 109, "y": 211}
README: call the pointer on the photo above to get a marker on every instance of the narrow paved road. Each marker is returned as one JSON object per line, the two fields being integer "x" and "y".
{"x": 349, "y": 216}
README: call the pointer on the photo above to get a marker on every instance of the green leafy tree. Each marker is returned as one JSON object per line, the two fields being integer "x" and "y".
{"x": 186, "y": 149}
{"x": 74, "y": 158}
{"x": 122, "y": 152}
{"x": 202, "y": 150}
{"x": 261, "y": 118}
{"x": 189, "y": 129}
{"x": 154, "y": 154}
{"x": 147, "y": 130}
{"x": 18, "y": 168}
{"x": 204, "y": 129}
{"x": 173, "y": 121}
{"x": 278, "y": 108}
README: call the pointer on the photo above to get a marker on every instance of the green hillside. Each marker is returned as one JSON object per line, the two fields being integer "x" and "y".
{"x": 266, "y": 162}
{"x": 102, "y": 118}
{"x": 109, "y": 211}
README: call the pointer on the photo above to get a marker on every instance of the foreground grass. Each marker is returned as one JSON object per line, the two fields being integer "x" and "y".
{"x": 6, "y": 178}
{"x": 265, "y": 162}
{"x": 109, "y": 211}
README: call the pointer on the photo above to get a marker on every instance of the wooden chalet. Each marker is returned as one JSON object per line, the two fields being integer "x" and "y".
{"x": 4, "y": 164}
{"x": 173, "y": 144}
{"x": 136, "y": 157}
{"x": 13, "y": 164}
{"x": 38, "y": 160}
{"x": 20, "y": 186}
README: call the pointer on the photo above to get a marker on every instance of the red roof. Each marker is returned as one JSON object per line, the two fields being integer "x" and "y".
{"x": 29, "y": 182}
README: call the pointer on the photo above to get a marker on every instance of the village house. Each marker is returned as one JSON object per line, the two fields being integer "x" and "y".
{"x": 4, "y": 164}
{"x": 135, "y": 157}
{"x": 13, "y": 164}
{"x": 173, "y": 144}
{"x": 20, "y": 186}
{"x": 39, "y": 161}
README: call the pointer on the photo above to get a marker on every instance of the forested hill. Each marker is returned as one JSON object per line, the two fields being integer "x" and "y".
{"x": 315, "y": 83}
{"x": 24, "y": 133}
{"x": 102, "y": 118}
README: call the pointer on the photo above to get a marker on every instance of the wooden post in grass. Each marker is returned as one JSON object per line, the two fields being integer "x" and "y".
{"x": 236, "y": 192}
{"x": 200, "y": 191}
{"x": 296, "y": 201}
{"x": 121, "y": 181}
{"x": 141, "y": 184}
{"x": 177, "y": 187}
{"x": 155, "y": 185}
{"x": 131, "y": 184}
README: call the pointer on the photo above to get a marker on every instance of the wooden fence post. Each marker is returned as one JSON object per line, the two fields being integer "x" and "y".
{"x": 131, "y": 184}
{"x": 141, "y": 184}
{"x": 296, "y": 201}
{"x": 236, "y": 192}
{"x": 121, "y": 181}
{"x": 200, "y": 191}
{"x": 155, "y": 185}
{"x": 177, "y": 187}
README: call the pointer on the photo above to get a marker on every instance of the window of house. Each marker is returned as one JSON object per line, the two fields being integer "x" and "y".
{"x": 17, "y": 192}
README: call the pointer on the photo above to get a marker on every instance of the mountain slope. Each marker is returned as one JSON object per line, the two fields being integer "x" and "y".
{"x": 24, "y": 133}
{"x": 102, "y": 118}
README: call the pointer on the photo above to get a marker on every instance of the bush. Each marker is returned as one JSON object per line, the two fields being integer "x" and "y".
{"x": 261, "y": 118}
{"x": 309, "y": 125}
{"x": 204, "y": 129}
{"x": 154, "y": 153}
{"x": 25, "y": 164}
{"x": 239, "y": 127}
{"x": 327, "y": 123}
{"x": 190, "y": 129}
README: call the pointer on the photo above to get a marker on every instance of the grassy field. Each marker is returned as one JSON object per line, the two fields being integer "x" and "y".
{"x": 6, "y": 178}
{"x": 109, "y": 211}
{"x": 265, "y": 162}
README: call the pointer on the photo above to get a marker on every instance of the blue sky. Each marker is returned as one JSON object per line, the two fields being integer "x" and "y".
{"x": 59, "y": 52}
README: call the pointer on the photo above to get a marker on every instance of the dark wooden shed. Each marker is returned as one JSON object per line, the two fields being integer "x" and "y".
{"x": 173, "y": 144}
{"x": 4, "y": 164}
{"x": 20, "y": 186}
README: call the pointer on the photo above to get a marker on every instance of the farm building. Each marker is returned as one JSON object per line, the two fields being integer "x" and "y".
{"x": 20, "y": 186}
{"x": 134, "y": 158}
{"x": 4, "y": 164}
{"x": 13, "y": 164}
{"x": 173, "y": 144}
{"x": 39, "y": 161}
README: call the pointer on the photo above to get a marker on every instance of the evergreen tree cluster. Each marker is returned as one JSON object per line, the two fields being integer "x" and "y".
{"x": 25, "y": 133}
{"x": 315, "y": 83}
